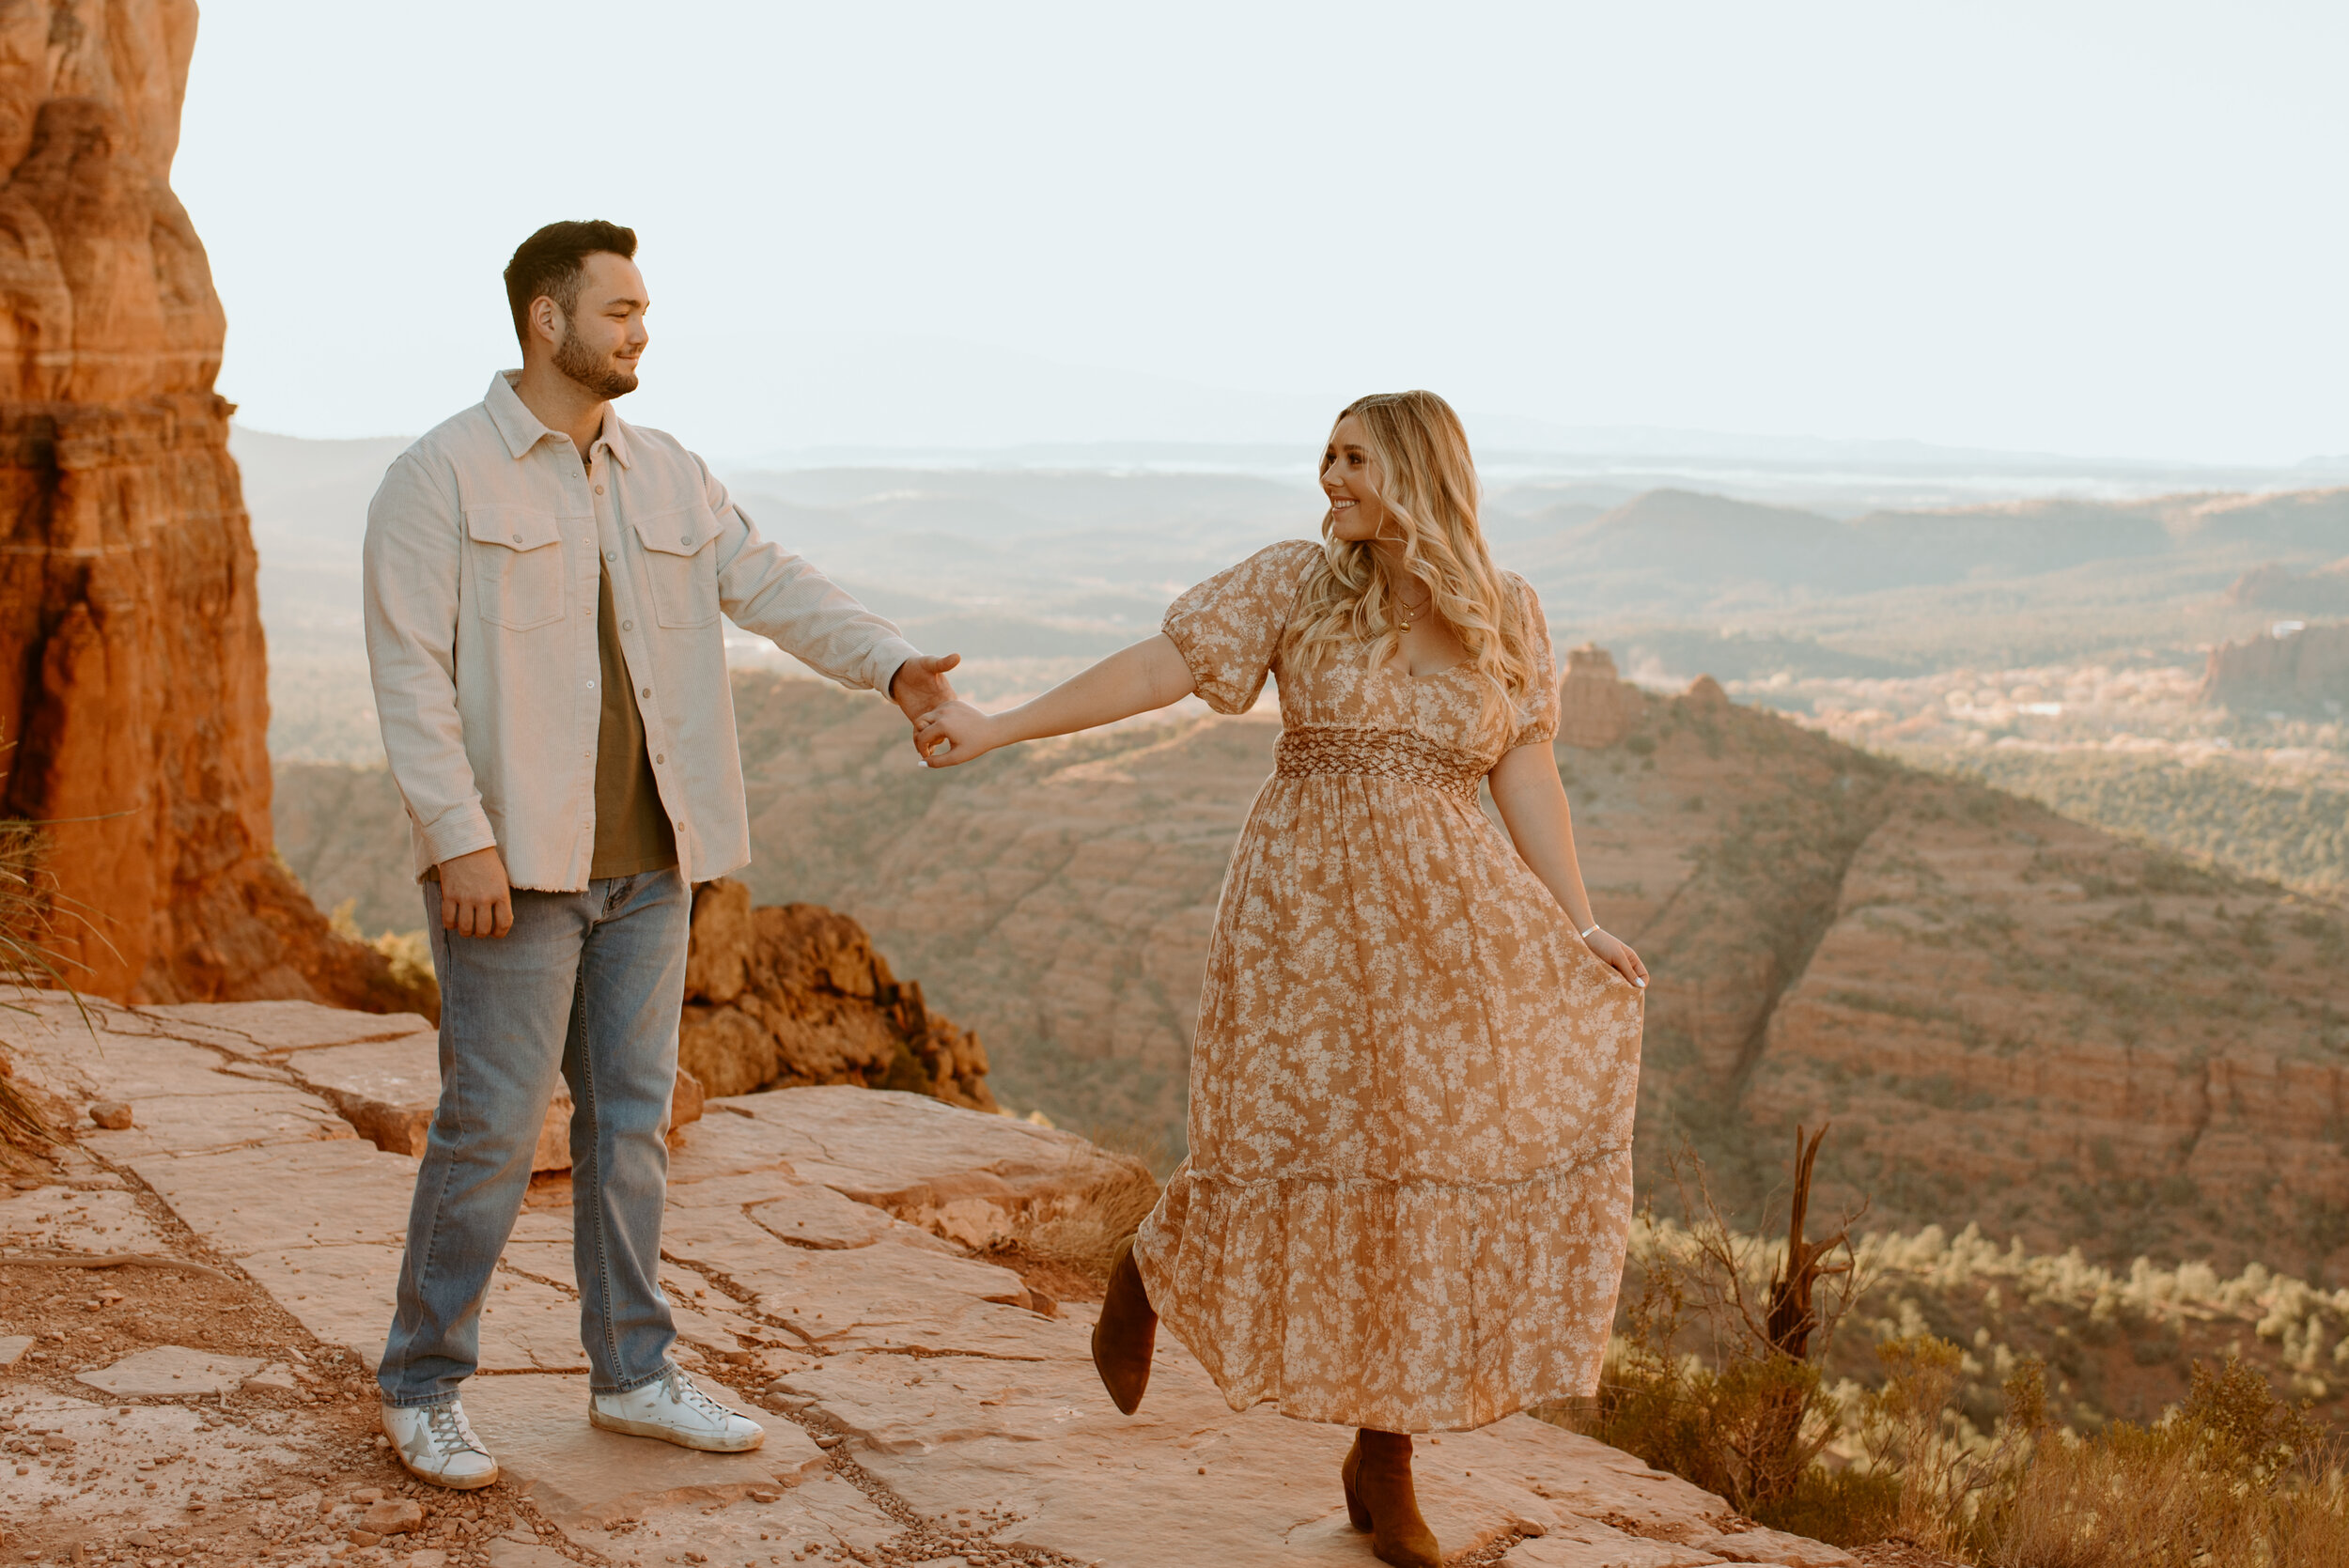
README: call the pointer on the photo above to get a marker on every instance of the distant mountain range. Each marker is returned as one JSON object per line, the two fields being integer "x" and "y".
{"x": 1041, "y": 565}
{"x": 1667, "y": 545}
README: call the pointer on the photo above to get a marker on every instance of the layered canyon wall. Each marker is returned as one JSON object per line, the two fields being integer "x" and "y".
{"x": 133, "y": 675}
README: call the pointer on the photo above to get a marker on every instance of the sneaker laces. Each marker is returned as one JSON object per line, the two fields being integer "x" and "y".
{"x": 448, "y": 1432}
{"x": 681, "y": 1388}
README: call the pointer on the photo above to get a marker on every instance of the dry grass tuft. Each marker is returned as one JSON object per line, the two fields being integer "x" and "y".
{"x": 2233, "y": 1477}
{"x": 28, "y": 914}
{"x": 1084, "y": 1241}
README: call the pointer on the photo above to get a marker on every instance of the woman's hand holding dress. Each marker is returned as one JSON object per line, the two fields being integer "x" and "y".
{"x": 1614, "y": 949}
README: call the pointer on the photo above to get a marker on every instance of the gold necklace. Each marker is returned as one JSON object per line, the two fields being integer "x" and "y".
{"x": 1407, "y": 616}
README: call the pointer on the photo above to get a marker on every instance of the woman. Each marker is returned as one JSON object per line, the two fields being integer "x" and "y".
{"x": 1410, "y": 1181}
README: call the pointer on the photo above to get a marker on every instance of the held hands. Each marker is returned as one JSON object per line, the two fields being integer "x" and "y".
{"x": 475, "y": 898}
{"x": 1613, "y": 950}
{"x": 956, "y": 733}
{"x": 921, "y": 685}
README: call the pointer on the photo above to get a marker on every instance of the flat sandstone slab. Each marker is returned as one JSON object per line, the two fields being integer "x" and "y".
{"x": 970, "y": 1178}
{"x": 1184, "y": 1483}
{"x": 170, "y": 1371}
{"x": 77, "y": 1219}
{"x": 388, "y": 1090}
{"x": 343, "y": 1295}
{"x": 582, "y": 1475}
{"x": 271, "y": 1028}
{"x": 319, "y": 1194}
{"x": 243, "y": 1114}
{"x": 781, "y": 1251}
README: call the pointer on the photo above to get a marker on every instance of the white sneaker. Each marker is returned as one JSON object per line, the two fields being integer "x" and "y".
{"x": 675, "y": 1411}
{"x": 437, "y": 1444}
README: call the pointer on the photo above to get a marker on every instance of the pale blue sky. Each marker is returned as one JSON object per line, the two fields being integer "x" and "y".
{"x": 2109, "y": 228}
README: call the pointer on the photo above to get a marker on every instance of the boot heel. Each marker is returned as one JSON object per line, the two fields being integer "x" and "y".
{"x": 1126, "y": 1334}
{"x": 1399, "y": 1535}
{"x": 1357, "y": 1511}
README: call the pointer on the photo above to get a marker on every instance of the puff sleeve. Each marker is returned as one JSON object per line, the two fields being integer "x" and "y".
{"x": 1538, "y": 724}
{"x": 1229, "y": 627}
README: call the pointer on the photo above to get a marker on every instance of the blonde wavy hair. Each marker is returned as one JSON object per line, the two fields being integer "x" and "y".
{"x": 1429, "y": 482}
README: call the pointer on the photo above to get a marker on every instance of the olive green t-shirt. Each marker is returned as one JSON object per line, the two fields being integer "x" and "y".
{"x": 632, "y": 831}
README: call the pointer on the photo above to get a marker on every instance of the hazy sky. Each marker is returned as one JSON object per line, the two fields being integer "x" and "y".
{"x": 2109, "y": 228}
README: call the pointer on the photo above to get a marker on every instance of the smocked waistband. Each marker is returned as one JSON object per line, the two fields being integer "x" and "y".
{"x": 1307, "y": 751}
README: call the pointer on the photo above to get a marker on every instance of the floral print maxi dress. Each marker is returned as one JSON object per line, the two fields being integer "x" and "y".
{"x": 1409, "y": 1181}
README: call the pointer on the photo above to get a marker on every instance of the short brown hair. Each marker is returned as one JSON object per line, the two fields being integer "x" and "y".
{"x": 553, "y": 262}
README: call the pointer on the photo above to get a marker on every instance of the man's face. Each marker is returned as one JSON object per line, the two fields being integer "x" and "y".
{"x": 605, "y": 334}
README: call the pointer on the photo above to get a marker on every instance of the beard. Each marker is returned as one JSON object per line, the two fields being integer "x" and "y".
{"x": 598, "y": 375}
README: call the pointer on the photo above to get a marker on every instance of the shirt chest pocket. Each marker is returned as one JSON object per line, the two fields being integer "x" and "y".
{"x": 680, "y": 560}
{"x": 516, "y": 558}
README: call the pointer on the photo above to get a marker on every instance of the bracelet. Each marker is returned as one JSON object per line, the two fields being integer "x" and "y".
{"x": 1585, "y": 932}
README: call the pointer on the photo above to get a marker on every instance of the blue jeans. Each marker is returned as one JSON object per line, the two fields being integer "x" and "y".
{"x": 588, "y": 984}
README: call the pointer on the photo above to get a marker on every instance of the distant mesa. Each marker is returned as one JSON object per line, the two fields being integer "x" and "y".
{"x": 1705, "y": 696}
{"x": 2301, "y": 671}
{"x": 1597, "y": 708}
{"x": 132, "y": 675}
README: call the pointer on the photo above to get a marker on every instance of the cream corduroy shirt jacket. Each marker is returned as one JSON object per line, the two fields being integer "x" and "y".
{"x": 483, "y": 549}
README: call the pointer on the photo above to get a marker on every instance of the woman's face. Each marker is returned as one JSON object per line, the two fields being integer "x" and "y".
{"x": 1351, "y": 479}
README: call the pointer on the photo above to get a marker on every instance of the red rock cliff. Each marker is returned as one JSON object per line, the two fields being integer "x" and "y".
{"x": 132, "y": 675}
{"x": 2293, "y": 669}
{"x": 790, "y": 995}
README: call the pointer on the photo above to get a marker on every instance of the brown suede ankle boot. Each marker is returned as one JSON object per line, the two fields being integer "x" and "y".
{"x": 1128, "y": 1329}
{"x": 1379, "y": 1498}
{"x": 1349, "y": 1474}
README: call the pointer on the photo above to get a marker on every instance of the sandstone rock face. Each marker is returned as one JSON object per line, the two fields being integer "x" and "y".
{"x": 132, "y": 667}
{"x": 921, "y": 1405}
{"x": 977, "y": 1182}
{"x": 2303, "y": 672}
{"x": 792, "y": 994}
{"x": 1596, "y": 708}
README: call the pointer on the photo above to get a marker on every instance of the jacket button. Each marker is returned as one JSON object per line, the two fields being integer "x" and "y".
{"x": 681, "y": 538}
{"x": 664, "y": 761}
{"x": 599, "y": 490}
{"x": 645, "y": 691}
{"x": 518, "y": 539}
{"x": 628, "y": 626}
{"x": 611, "y": 554}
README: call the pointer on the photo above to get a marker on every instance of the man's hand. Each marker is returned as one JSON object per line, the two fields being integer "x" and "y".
{"x": 475, "y": 898}
{"x": 920, "y": 686}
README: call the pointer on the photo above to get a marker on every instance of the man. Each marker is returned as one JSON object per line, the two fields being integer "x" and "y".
{"x": 544, "y": 583}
